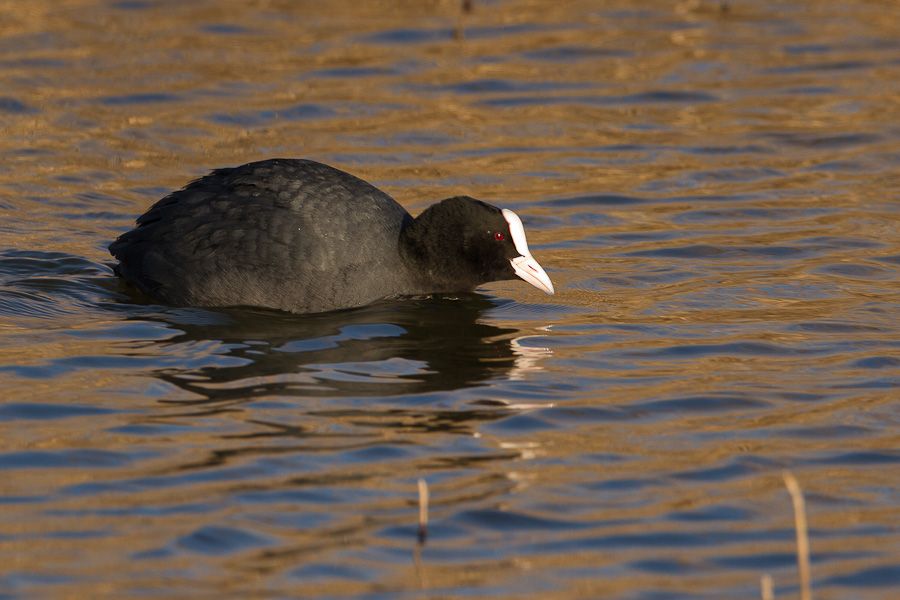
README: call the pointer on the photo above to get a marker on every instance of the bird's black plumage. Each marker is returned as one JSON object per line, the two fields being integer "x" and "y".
{"x": 301, "y": 236}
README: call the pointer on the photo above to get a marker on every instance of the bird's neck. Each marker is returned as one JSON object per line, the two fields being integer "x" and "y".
{"x": 430, "y": 249}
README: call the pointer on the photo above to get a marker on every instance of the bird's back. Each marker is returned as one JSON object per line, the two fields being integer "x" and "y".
{"x": 282, "y": 233}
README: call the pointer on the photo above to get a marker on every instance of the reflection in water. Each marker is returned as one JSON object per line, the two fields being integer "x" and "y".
{"x": 415, "y": 346}
{"x": 714, "y": 192}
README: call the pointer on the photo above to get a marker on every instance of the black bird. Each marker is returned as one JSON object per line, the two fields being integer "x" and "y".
{"x": 300, "y": 236}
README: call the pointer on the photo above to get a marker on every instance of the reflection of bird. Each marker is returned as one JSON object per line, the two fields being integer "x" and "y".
{"x": 301, "y": 236}
{"x": 528, "y": 357}
{"x": 382, "y": 349}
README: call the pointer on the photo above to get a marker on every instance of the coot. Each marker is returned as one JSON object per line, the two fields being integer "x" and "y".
{"x": 300, "y": 236}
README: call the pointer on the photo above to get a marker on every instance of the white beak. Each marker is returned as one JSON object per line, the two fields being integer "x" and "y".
{"x": 528, "y": 269}
{"x": 525, "y": 266}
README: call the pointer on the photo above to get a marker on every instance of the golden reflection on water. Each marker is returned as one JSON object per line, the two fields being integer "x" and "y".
{"x": 713, "y": 192}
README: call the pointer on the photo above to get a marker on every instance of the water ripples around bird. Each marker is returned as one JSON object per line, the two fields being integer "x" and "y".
{"x": 710, "y": 185}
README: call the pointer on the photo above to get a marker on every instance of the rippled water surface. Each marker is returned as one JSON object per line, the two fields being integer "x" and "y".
{"x": 712, "y": 187}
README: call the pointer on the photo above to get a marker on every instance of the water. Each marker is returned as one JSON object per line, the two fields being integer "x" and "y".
{"x": 710, "y": 186}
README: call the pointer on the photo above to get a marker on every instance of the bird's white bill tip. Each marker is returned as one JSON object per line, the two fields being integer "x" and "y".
{"x": 528, "y": 269}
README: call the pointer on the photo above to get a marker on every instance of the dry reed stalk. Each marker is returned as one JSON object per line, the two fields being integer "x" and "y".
{"x": 802, "y": 534}
{"x": 423, "y": 510}
{"x": 766, "y": 587}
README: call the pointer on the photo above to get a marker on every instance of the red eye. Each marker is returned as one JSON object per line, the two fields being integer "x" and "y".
{"x": 498, "y": 236}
